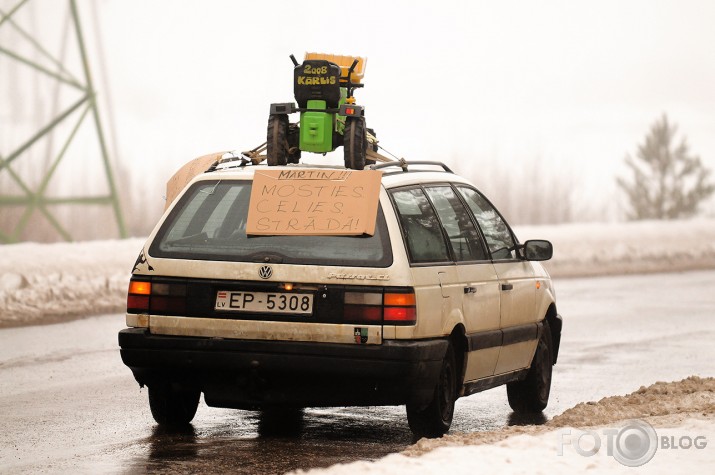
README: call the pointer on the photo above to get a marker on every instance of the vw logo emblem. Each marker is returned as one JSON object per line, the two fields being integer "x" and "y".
{"x": 265, "y": 272}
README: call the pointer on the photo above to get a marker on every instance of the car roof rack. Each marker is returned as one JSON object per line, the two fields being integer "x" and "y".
{"x": 232, "y": 160}
{"x": 405, "y": 164}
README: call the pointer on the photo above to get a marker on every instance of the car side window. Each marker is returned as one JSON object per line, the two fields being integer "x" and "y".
{"x": 499, "y": 239}
{"x": 462, "y": 234}
{"x": 420, "y": 226}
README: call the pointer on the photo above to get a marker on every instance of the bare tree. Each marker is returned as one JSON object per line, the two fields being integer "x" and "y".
{"x": 668, "y": 183}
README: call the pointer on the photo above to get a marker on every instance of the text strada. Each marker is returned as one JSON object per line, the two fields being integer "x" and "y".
{"x": 314, "y": 202}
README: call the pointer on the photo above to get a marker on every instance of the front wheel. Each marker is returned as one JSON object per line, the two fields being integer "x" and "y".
{"x": 435, "y": 419}
{"x": 532, "y": 394}
{"x": 173, "y": 406}
{"x": 355, "y": 143}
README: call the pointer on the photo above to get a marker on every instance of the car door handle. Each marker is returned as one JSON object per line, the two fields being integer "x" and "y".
{"x": 507, "y": 287}
{"x": 470, "y": 290}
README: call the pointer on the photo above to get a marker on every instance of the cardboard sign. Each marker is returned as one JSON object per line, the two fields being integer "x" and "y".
{"x": 313, "y": 201}
{"x": 195, "y": 167}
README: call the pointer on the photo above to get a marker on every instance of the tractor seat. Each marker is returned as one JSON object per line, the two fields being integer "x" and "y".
{"x": 317, "y": 79}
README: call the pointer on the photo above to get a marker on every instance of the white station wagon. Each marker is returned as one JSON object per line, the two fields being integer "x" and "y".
{"x": 438, "y": 301}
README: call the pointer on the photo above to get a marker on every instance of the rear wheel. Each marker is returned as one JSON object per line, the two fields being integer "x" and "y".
{"x": 435, "y": 419}
{"x": 355, "y": 143}
{"x": 532, "y": 394}
{"x": 172, "y": 406}
{"x": 293, "y": 143}
{"x": 369, "y": 161}
{"x": 277, "y": 140}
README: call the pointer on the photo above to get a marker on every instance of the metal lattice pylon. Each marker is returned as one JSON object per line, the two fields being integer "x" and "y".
{"x": 37, "y": 199}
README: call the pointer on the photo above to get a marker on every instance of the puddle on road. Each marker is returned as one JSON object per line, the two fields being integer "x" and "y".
{"x": 241, "y": 442}
{"x": 247, "y": 443}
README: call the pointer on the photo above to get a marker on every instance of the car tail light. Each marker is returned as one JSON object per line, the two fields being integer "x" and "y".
{"x": 138, "y": 296}
{"x": 400, "y": 300}
{"x": 168, "y": 298}
{"x": 399, "y": 308}
{"x": 144, "y": 296}
{"x": 363, "y": 314}
{"x": 386, "y": 307}
{"x": 363, "y": 307}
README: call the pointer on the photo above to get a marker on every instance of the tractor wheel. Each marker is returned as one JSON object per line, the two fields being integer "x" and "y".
{"x": 293, "y": 143}
{"x": 355, "y": 143}
{"x": 369, "y": 161}
{"x": 277, "y": 140}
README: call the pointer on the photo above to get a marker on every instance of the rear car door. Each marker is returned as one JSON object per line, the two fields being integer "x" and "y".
{"x": 478, "y": 280}
{"x": 517, "y": 284}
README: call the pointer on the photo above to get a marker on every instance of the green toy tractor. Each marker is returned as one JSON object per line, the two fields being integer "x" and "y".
{"x": 323, "y": 87}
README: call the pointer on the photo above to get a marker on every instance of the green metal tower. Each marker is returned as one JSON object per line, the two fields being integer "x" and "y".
{"x": 71, "y": 118}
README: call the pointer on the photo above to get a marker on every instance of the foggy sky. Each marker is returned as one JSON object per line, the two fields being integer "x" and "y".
{"x": 573, "y": 84}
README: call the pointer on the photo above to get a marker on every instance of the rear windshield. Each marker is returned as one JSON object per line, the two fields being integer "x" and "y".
{"x": 209, "y": 223}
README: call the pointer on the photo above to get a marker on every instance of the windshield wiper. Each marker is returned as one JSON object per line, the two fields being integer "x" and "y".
{"x": 193, "y": 239}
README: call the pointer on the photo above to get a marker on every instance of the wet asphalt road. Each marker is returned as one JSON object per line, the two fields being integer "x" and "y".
{"x": 68, "y": 405}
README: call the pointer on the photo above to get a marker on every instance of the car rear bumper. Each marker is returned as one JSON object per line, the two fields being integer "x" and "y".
{"x": 251, "y": 373}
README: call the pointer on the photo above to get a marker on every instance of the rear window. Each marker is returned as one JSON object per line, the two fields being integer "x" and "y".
{"x": 209, "y": 223}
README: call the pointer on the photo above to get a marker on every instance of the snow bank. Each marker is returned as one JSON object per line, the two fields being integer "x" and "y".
{"x": 626, "y": 248}
{"x": 40, "y": 283}
{"x": 681, "y": 412}
{"x": 539, "y": 454}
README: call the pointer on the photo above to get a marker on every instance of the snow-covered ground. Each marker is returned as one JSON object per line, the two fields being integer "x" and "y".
{"x": 41, "y": 283}
{"x": 679, "y": 414}
{"x": 627, "y": 248}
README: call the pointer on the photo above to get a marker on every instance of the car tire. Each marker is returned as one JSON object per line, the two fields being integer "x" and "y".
{"x": 171, "y": 406}
{"x": 435, "y": 419}
{"x": 531, "y": 395}
{"x": 355, "y": 143}
{"x": 277, "y": 140}
{"x": 286, "y": 421}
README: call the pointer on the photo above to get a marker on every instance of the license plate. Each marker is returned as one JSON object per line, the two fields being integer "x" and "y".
{"x": 264, "y": 302}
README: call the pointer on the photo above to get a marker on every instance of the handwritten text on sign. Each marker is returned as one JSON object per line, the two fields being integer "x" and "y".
{"x": 314, "y": 202}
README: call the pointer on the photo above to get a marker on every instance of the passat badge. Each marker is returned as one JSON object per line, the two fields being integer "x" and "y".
{"x": 265, "y": 272}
